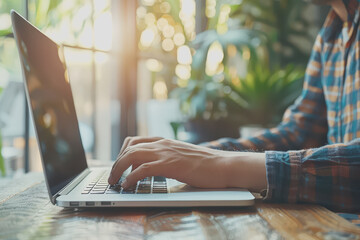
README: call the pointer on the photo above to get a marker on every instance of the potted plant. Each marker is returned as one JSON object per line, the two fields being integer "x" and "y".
{"x": 204, "y": 106}
{"x": 264, "y": 46}
{"x": 204, "y": 99}
{"x": 257, "y": 100}
{"x": 263, "y": 94}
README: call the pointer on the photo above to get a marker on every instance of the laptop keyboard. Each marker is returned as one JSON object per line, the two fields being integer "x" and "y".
{"x": 147, "y": 185}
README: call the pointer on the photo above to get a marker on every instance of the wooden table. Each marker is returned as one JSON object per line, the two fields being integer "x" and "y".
{"x": 26, "y": 213}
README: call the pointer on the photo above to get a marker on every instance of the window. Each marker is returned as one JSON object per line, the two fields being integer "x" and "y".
{"x": 86, "y": 32}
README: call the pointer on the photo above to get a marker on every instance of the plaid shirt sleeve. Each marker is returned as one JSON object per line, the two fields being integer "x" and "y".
{"x": 304, "y": 124}
{"x": 329, "y": 175}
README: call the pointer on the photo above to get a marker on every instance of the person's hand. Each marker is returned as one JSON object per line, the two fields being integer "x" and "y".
{"x": 195, "y": 165}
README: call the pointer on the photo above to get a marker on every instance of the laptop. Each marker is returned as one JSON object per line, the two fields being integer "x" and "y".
{"x": 70, "y": 182}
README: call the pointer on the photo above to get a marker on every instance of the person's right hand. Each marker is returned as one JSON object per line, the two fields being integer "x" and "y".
{"x": 192, "y": 164}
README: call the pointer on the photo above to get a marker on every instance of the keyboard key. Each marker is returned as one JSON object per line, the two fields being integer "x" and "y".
{"x": 157, "y": 184}
{"x": 143, "y": 191}
{"x": 145, "y": 188}
{"x": 147, "y": 185}
{"x": 97, "y": 190}
{"x": 116, "y": 187}
{"x": 162, "y": 190}
{"x": 159, "y": 179}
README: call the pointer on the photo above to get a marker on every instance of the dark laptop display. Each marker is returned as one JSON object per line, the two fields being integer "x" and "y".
{"x": 49, "y": 93}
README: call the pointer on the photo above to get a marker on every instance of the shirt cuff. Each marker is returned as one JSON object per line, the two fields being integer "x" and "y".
{"x": 283, "y": 173}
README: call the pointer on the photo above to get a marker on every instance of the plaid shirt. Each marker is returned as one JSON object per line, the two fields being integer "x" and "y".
{"x": 313, "y": 155}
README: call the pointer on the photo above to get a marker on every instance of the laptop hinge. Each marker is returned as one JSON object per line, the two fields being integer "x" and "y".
{"x": 70, "y": 186}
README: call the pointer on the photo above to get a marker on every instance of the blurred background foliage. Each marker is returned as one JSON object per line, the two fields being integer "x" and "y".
{"x": 244, "y": 65}
{"x": 240, "y": 68}
{"x": 197, "y": 69}
{"x": 284, "y": 23}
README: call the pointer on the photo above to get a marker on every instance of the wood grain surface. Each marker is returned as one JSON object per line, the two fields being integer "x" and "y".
{"x": 26, "y": 213}
{"x": 307, "y": 222}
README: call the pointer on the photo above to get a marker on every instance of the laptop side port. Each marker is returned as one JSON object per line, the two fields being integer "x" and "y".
{"x": 74, "y": 204}
{"x": 105, "y": 203}
{"x": 90, "y": 203}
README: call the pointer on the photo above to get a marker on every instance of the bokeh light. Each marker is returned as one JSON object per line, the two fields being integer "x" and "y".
{"x": 246, "y": 54}
{"x": 168, "y": 31}
{"x": 148, "y": 2}
{"x": 147, "y": 37}
{"x": 160, "y": 90}
{"x": 167, "y": 45}
{"x": 141, "y": 12}
{"x": 162, "y": 23}
{"x": 154, "y": 65}
{"x": 214, "y": 59}
{"x": 150, "y": 19}
{"x": 222, "y": 26}
{"x": 210, "y": 10}
{"x": 183, "y": 71}
{"x": 184, "y": 55}
{"x": 179, "y": 39}
{"x": 165, "y": 7}
{"x": 231, "y": 50}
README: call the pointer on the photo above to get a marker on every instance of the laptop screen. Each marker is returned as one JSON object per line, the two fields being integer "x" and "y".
{"x": 52, "y": 106}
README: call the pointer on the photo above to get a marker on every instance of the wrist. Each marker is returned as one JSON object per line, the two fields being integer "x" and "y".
{"x": 246, "y": 170}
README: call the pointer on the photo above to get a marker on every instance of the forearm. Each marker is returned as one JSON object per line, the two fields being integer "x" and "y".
{"x": 246, "y": 170}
